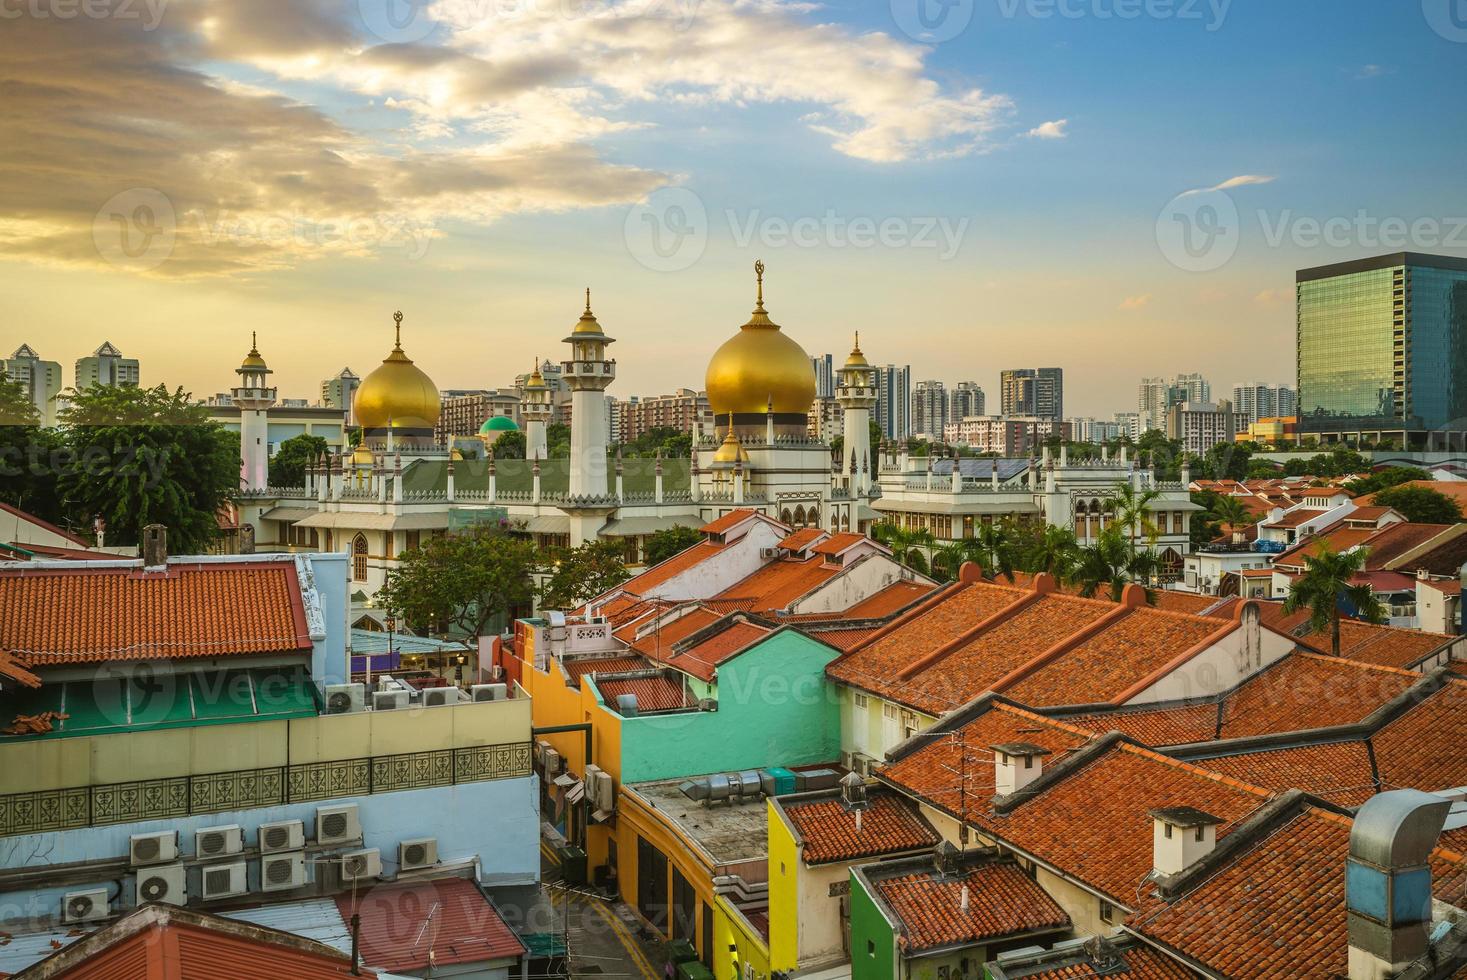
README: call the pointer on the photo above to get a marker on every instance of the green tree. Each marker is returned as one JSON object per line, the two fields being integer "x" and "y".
{"x": 1230, "y": 510}
{"x": 1228, "y": 460}
{"x": 510, "y": 445}
{"x": 16, "y": 407}
{"x": 1326, "y": 584}
{"x": 557, "y": 441}
{"x": 1421, "y": 505}
{"x": 1391, "y": 476}
{"x": 1132, "y": 511}
{"x": 1056, "y": 552}
{"x": 1111, "y": 563}
{"x": 140, "y": 456}
{"x": 992, "y": 547}
{"x": 30, "y": 456}
{"x": 582, "y": 573}
{"x": 288, "y": 465}
{"x": 662, "y": 545}
{"x": 460, "y": 582}
{"x": 947, "y": 559}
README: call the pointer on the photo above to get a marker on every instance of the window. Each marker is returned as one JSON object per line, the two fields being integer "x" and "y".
{"x": 1167, "y": 829}
{"x": 871, "y": 948}
{"x": 862, "y": 702}
{"x": 359, "y": 558}
{"x": 414, "y": 540}
{"x": 1198, "y": 832}
{"x": 1107, "y": 913}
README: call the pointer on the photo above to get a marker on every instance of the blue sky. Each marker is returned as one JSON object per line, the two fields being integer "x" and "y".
{"x": 1020, "y": 168}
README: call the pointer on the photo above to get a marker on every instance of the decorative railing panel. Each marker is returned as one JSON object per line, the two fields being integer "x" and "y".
{"x": 94, "y": 806}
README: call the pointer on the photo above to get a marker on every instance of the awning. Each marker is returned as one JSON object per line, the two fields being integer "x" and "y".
{"x": 289, "y": 514}
{"x": 547, "y": 524}
{"x": 1164, "y": 503}
{"x": 360, "y": 521}
{"x": 627, "y": 527}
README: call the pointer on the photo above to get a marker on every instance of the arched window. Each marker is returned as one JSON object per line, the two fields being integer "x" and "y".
{"x": 784, "y": 515}
{"x": 800, "y": 515}
{"x": 359, "y": 558}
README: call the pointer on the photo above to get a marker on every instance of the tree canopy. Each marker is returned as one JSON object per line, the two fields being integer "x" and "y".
{"x": 460, "y": 582}
{"x": 1325, "y": 586}
{"x": 662, "y": 545}
{"x": 1421, "y": 505}
{"x": 510, "y": 445}
{"x": 582, "y": 573}
{"x": 288, "y": 465}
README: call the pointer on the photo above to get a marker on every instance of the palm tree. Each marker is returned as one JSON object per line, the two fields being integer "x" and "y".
{"x": 1112, "y": 563}
{"x": 1056, "y": 551}
{"x": 993, "y": 549}
{"x": 1229, "y": 510}
{"x": 1132, "y": 511}
{"x": 947, "y": 559}
{"x": 1325, "y": 584}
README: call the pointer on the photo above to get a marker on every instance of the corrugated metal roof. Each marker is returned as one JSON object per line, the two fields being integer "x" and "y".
{"x": 408, "y": 925}
{"x": 314, "y": 918}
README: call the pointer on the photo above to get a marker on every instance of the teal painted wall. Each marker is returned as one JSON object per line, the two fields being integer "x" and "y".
{"x": 873, "y": 943}
{"x": 775, "y": 708}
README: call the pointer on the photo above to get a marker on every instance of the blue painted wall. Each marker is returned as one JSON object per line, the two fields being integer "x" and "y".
{"x": 775, "y": 708}
{"x": 328, "y": 658}
{"x": 496, "y": 820}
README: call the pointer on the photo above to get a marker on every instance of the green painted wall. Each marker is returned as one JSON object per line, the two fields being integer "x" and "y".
{"x": 873, "y": 943}
{"x": 775, "y": 708}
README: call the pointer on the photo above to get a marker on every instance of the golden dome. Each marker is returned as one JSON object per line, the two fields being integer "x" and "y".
{"x": 732, "y": 451}
{"x": 253, "y": 360}
{"x": 759, "y": 366}
{"x": 536, "y": 379}
{"x": 362, "y": 456}
{"x": 857, "y": 359}
{"x": 587, "y": 323}
{"x": 397, "y": 393}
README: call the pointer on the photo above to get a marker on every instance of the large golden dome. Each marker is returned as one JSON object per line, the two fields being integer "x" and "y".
{"x": 397, "y": 393}
{"x": 758, "y": 366}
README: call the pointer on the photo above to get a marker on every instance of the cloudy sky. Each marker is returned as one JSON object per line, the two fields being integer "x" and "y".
{"x": 1118, "y": 187}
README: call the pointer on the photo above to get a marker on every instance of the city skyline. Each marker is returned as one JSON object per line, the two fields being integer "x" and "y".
{"x": 1029, "y": 214}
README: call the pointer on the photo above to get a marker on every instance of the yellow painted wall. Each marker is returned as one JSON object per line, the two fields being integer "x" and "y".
{"x": 59, "y": 763}
{"x": 784, "y": 892}
{"x": 556, "y": 704}
{"x": 730, "y": 929}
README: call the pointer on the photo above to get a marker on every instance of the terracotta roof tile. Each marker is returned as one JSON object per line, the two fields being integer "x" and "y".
{"x": 728, "y": 521}
{"x": 1158, "y": 726}
{"x": 890, "y": 825}
{"x": 802, "y": 538}
{"x": 894, "y": 597}
{"x": 1002, "y": 901}
{"x": 843, "y": 639}
{"x": 1127, "y": 651}
{"x": 660, "y": 693}
{"x": 86, "y": 615}
{"x": 1338, "y": 537}
{"x": 705, "y": 657}
{"x": 657, "y": 643}
{"x": 1172, "y": 600}
{"x": 837, "y": 543}
{"x": 1338, "y": 772}
{"x": 1384, "y": 646}
{"x": 397, "y": 934}
{"x": 1141, "y": 963}
{"x": 581, "y": 666}
{"x": 1277, "y": 911}
{"x": 1422, "y": 749}
{"x": 1456, "y": 489}
{"x": 777, "y": 584}
{"x": 11, "y": 670}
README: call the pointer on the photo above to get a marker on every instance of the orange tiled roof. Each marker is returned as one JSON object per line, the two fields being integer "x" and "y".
{"x": 837, "y": 543}
{"x": 844, "y": 640}
{"x": 1338, "y": 772}
{"x": 890, "y": 825}
{"x": 657, "y": 643}
{"x": 779, "y": 583}
{"x": 407, "y": 926}
{"x": 705, "y": 657}
{"x": 660, "y": 693}
{"x": 895, "y": 596}
{"x": 1127, "y": 651}
{"x": 728, "y": 521}
{"x": 1178, "y": 725}
{"x": 1337, "y": 537}
{"x": 1002, "y": 901}
{"x": 73, "y": 615}
{"x": 674, "y": 566}
{"x": 1422, "y": 749}
{"x": 1385, "y": 646}
{"x": 1277, "y": 911}
{"x": 581, "y": 666}
{"x": 1295, "y": 518}
{"x": 1456, "y": 489}
{"x": 13, "y": 671}
{"x": 1171, "y": 600}
{"x": 1141, "y": 963}
{"x": 802, "y": 538}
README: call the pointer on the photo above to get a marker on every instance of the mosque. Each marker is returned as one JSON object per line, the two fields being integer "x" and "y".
{"x": 399, "y": 485}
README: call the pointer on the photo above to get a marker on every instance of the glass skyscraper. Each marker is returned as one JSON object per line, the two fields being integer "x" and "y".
{"x": 1382, "y": 348}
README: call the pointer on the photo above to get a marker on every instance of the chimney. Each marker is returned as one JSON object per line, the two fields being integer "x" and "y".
{"x": 1388, "y": 881}
{"x": 247, "y": 539}
{"x": 853, "y": 792}
{"x": 1181, "y": 836}
{"x": 1016, "y": 765}
{"x": 963, "y": 900}
{"x": 155, "y": 546}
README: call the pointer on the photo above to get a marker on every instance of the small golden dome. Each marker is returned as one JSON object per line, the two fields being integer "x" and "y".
{"x": 732, "y": 451}
{"x": 857, "y": 359}
{"x": 253, "y": 360}
{"x": 760, "y": 367}
{"x": 362, "y": 456}
{"x": 397, "y": 393}
{"x": 587, "y": 324}
{"x": 536, "y": 379}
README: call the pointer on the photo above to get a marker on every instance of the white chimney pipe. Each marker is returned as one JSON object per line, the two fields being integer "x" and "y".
{"x": 963, "y": 902}
{"x": 1016, "y": 765}
{"x": 1181, "y": 836}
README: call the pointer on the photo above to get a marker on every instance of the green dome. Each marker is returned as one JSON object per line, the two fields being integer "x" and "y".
{"x": 499, "y": 423}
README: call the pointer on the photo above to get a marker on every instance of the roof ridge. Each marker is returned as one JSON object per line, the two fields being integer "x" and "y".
{"x": 1017, "y": 606}
{"x": 1324, "y": 657}
{"x": 1141, "y": 750}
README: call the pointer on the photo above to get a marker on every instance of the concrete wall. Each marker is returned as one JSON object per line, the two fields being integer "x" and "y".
{"x": 859, "y": 581}
{"x": 775, "y": 707}
{"x": 1222, "y": 666}
{"x": 737, "y": 561}
{"x": 496, "y": 821}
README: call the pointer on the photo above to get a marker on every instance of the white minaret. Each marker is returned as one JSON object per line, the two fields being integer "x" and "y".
{"x": 588, "y": 373}
{"x": 535, "y": 407}
{"x": 253, "y": 396}
{"x": 855, "y": 389}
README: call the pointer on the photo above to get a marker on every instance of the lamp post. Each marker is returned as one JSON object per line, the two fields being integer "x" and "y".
{"x": 391, "y": 623}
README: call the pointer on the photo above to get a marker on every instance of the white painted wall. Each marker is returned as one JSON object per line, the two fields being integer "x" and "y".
{"x": 1223, "y": 666}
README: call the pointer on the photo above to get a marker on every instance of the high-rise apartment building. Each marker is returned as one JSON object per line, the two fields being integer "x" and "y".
{"x": 40, "y": 379}
{"x": 1004, "y": 435}
{"x": 964, "y": 399}
{"x": 894, "y": 401}
{"x": 465, "y": 411}
{"x": 339, "y": 392}
{"x": 1382, "y": 349}
{"x": 1263, "y": 401}
{"x": 1039, "y": 392}
{"x": 827, "y": 419}
{"x": 1201, "y": 425}
{"x": 824, "y": 365}
{"x": 1156, "y": 396}
{"x": 684, "y": 410}
{"x": 106, "y": 366}
{"x": 1129, "y": 424}
{"x": 929, "y": 410}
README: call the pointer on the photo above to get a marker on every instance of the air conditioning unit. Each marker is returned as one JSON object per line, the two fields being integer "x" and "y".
{"x": 541, "y": 747}
{"x": 421, "y": 852}
{"x": 224, "y": 880}
{"x": 212, "y": 842}
{"x": 338, "y": 824}
{"x": 144, "y": 849}
{"x": 85, "y": 906}
{"x": 865, "y": 765}
{"x": 437, "y": 697}
{"x": 282, "y": 872}
{"x": 489, "y": 692}
{"x": 768, "y": 552}
{"x": 708, "y": 704}
{"x": 553, "y": 762}
{"x": 283, "y": 835}
{"x": 389, "y": 700}
{"x": 361, "y": 865}
{"x": 343, "y": 699}
{"x": 163, "y": 883}
{"x": 601, "y": 790}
